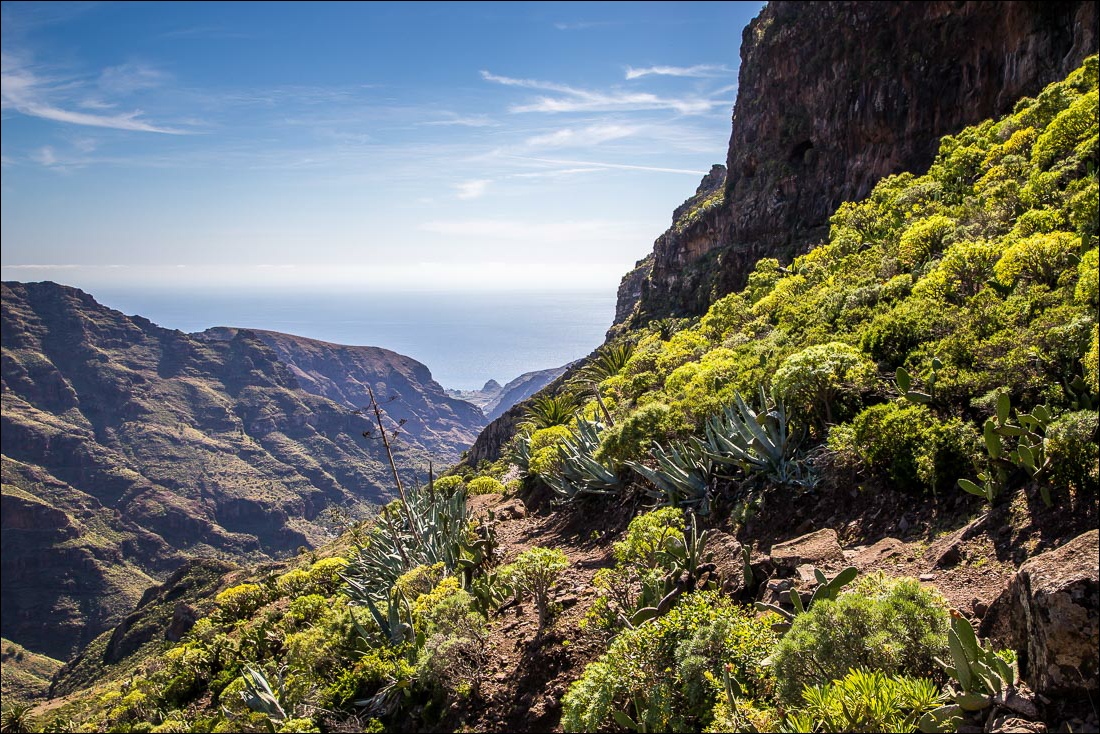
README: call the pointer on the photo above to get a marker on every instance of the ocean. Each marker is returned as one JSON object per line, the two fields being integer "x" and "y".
{"x": 464, "y": 338}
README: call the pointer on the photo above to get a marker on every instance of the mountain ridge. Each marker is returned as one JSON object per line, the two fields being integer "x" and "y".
{"x": 128, "y": 447}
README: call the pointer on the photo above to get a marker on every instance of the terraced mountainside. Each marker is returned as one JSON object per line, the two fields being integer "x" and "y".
{"x": 128, "y": 447}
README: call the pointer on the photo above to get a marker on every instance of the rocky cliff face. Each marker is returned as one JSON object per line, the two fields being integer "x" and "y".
{"x": 127, "y": 447}
{"x": 832, "y": 97}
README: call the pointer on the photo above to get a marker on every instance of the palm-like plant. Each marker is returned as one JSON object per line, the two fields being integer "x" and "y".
{"x": 16, "y": 719}
{"x": 545, "y": 411}
{"x": 609, "y": 361}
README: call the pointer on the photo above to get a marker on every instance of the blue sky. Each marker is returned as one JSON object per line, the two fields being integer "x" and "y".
{"x": 429, "y": 145}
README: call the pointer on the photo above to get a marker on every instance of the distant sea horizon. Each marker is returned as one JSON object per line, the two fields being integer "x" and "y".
{"x": 465, "y": 338}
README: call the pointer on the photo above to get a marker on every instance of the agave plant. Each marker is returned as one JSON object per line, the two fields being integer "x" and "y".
{"x": 756, "y": 442}
{"x": 431, "y": 531}
{"x": 683, "y": 478}
{"x": 580, "y": 472}
{"x": 259, "y": 697}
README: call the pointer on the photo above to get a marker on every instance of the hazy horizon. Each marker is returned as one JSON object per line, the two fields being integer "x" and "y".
{"x": 464, "y": 338}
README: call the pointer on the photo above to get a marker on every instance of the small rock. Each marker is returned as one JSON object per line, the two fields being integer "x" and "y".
{"x": 874, "y": 555}
{"x": 979, "y": 607}
{"x": 513, "y": 510}
{"x": 950, "y": 557}
{"x": 1014, "y": 725}
{"x": 805, "y": 574}
{"x": 821, "y": 549}
{"x": 1021, "y": 705}
{"x": 928, "y": 577}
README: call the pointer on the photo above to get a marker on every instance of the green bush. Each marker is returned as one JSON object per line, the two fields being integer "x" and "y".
{"x": 824, "y": 381}
{"x": 908, "y": 445}
{"x": 646, "y": 535}
{"x": 1071, "y": 446}
{"x": 484, "y": 485}
{"x": 535, "y": 573}
{"x": 659, "y": 673}
{"x": 630, "y": 439}
{"x": 896, "y": 626}
{"x": 238, "y": 602}
{"x": 449, "y": 484}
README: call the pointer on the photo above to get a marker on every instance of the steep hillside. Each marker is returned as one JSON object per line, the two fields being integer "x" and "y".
{"x": 128, "y": 447}
{"x": 832, "y": 96}
{"x": 435, "y": 421}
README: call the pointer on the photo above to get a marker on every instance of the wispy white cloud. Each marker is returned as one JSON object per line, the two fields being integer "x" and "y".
{"x": 581, "y": 137}
{"x": 463, "y": 121}
{"x": 584, "y": 25}
{"x": 22, "y": 90}
{"x": 699, "y": 70}
{"x": 472, "y": 189}
{"x": 603, "y": 165}
{"x": 576, "y": 99}
{"x": 129, "y": 78}
{"x": 45, "y": 156}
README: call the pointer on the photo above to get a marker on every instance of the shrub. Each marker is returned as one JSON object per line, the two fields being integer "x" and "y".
{"x": 646, "y": 535}
{"x": 629, "y": 439}
{"x": 1040, "y": 258}
{"x": 238, "y": 602}
{"x": 484, "y": 485}
{"x": 658, "y": 673}
{"x": 824, "y": 381}
{"x": 866, "y": 701}
{"x": 925, "y": 238}
{"x": 908, "y": 445}
{"x": 535, "y": 572}
{"x": 893, "y": 625}
{"x": 1088, "y": 279}
{"x": 308, "y": 608}
{"x": 448, "y": 485}
{"x": 1071, "y": 447}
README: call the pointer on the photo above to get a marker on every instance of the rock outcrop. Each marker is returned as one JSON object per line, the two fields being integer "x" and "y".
{"x": 1050, "y": 614}
{"x": 832, "y": 97}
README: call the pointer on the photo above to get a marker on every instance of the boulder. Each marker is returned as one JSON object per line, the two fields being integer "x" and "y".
{"x": 1050, "y": 614}
{"x": 820, "y": 549}
{"x": 728, "y": 559}
{"x": 875, "y": 555}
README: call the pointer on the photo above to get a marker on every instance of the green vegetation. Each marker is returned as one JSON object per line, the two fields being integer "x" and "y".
{"x": 973, "y": 281}
{"x": 947, "y": 329}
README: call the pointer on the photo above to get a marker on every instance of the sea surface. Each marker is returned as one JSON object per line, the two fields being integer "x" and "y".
{"x": 464, "y": 338}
